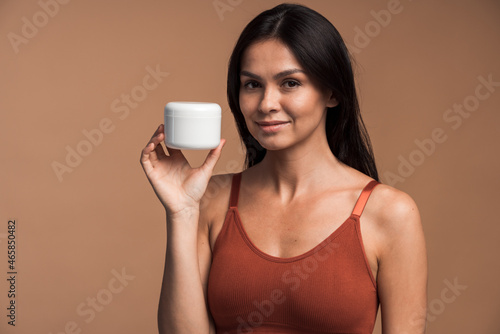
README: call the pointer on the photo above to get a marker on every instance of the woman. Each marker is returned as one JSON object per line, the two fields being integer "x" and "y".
{"x": 272, "y": 251}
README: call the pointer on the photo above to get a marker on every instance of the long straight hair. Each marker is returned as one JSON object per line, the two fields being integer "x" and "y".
{"x": 319, "y": 48}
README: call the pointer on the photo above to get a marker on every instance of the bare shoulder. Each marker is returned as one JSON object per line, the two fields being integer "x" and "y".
{"x": 395, "y": 215}
{"x": 392, "y": 204}
{"x": 402, "y": 259}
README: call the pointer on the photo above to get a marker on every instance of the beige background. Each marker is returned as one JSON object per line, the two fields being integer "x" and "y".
{"x": 103, "y": 217}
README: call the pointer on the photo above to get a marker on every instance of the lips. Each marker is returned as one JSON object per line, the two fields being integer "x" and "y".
{"x": 272, "y": 126}
{"x": 269, "y": 123}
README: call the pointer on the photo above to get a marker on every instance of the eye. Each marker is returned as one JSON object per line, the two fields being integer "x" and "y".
{"x": 251, "y": 84}
{"x": 291, "y": 83}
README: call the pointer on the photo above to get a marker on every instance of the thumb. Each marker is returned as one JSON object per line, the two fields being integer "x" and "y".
{"x": 212, "y": 157}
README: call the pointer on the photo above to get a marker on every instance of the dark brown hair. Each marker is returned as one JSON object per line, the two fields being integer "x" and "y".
{"x": 319, "y": 48}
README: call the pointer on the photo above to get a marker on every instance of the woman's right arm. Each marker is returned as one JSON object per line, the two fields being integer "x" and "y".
{"x": 180, "y": 188}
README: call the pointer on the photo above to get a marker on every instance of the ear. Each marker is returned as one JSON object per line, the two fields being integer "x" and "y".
{"x": 332, "y": 101}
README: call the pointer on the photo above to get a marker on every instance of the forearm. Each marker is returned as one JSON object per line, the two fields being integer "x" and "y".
{"x": 182, "y": 307}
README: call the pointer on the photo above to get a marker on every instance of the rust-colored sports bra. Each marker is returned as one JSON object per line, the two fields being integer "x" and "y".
{"x": 328, "y": 289}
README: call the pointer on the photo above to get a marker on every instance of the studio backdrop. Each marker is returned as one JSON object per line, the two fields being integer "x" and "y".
{"x": 83, "y": 85}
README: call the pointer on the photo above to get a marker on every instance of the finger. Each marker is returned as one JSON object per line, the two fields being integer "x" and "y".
{"x": 145, "y": 159}
{"x": 159, "y": 129}
{"x": 171, "y": 151}
{"x": 213, "y": 156}
{"x": 174, "y": 151}
{"x": 149, "y": 152}
{"x": 160, "y": 152}
{"x": 157, "y": 136}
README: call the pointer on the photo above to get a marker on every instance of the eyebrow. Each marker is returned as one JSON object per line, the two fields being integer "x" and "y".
{"x": 276, "y": 76}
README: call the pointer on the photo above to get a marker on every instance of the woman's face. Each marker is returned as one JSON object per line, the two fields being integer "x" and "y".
{"x": 281, "y": 104}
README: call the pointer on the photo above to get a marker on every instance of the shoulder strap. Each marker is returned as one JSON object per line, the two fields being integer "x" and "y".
{"x": 235, "y": 190}
{"x": 363, "y": 197}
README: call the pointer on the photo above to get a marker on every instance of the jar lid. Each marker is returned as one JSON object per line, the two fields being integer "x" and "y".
{"x": 192, "y": 109}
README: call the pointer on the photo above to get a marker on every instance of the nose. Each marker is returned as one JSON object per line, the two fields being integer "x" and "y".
{"x": 270, "y": 101}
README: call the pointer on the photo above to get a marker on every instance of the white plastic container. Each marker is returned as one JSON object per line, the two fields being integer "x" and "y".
{"x": 192, "y": 125}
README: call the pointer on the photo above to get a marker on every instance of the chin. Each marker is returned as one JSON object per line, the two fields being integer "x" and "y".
{"x": 273, "y": 145}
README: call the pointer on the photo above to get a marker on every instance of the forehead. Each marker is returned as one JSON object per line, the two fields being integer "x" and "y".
{"x": 268, "y": 55}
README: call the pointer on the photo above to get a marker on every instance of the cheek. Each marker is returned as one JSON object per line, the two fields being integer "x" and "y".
{"x": 306, "y": 106}
{"x": 247, "y": 106}
{"x": 246, "y": 111}
{"x": 244, "y": 108}
{"x": 244, "y": 101}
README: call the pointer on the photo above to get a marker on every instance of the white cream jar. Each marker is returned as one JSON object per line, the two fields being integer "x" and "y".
{"x": 192, "y": 125}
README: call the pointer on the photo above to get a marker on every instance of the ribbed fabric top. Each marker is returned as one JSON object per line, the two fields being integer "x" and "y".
{"x": 328, "y": 289}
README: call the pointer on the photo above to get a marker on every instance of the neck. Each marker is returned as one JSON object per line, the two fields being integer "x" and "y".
{"x": 300, "y": 170}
